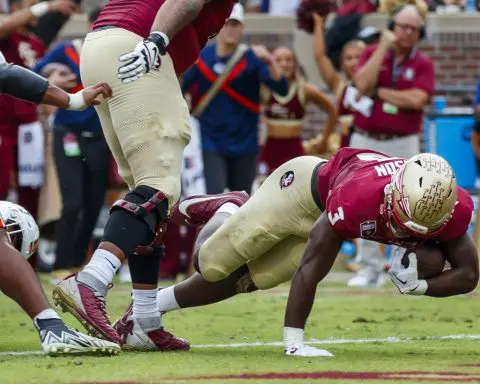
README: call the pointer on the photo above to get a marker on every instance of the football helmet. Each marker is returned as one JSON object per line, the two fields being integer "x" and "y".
{"x": 21, "y": 228}
{"x": 421, "y": 197}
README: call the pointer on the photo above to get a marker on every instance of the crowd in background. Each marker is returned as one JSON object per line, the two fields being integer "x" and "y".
{"x": 247, "y": 103}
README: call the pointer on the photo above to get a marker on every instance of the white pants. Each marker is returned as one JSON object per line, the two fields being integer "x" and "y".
{"x": 370, "y": 256}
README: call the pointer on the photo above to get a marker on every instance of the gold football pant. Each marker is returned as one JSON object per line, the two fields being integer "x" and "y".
{"x": 146, "y": 123}
{"x": 269, "y": 232}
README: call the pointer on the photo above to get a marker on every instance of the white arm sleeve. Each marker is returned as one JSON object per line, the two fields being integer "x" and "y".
{"x": 2, "y": 59}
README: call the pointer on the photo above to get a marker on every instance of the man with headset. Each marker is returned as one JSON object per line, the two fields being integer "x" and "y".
{"x": 400, "y": 80}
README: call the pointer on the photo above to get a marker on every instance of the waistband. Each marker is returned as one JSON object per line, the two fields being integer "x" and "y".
{"x": 314, "y": 185}
{"x": 105, "y": 27}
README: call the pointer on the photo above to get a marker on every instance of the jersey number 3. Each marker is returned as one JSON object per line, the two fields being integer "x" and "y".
{"x": 337, "y": 216}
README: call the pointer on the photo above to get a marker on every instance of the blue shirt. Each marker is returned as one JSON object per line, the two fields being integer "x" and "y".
{"x": 87, "y": 120}
{"x": 227, "y": 126}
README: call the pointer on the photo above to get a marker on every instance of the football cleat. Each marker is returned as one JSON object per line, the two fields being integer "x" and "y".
{"x": 58, "y": 340}
{"x": 135, "y": 338}
{"x": 307, "y": 351}
{"x": 197, "y": 210}
{"x": 87, "y": 305}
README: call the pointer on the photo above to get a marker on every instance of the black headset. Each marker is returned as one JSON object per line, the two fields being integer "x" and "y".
{"x": 395, "y": 12}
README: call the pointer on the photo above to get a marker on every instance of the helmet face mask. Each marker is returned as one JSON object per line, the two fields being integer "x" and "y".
{"x": 421, "y": 196}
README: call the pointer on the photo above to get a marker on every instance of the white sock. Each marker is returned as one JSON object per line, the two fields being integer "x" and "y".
{"x": 46, "y": 314}
{"x": 228, "y": 208}
{"x": 292, "y": 336}
{"x": 166, "y": 299}
{"x": 145, "y": 309}
{"x": 103, "y": 266}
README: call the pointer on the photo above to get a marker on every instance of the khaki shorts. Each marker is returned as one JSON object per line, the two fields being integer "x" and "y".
{"x": 146, "y": 123}
{"x": 269, "y": 233}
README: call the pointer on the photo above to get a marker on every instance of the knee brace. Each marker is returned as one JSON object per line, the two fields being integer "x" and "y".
{"x": 154, "y": 212}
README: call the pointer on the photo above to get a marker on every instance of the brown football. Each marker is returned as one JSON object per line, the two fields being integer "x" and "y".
{"x": 430, "y": 260}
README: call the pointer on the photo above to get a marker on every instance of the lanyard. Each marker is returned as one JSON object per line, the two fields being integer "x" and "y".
{"x": 396, "y": 72}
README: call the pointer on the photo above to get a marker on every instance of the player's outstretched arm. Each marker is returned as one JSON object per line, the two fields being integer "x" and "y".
{"x": 463, "y": 275}
{"x": 27, "y": 85}
{"x": 322, "y": 249}
{"x": 77, "y": 101}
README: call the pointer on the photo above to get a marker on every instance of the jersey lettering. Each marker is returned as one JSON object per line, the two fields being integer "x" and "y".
{"x": 338, "y": 216}
{"x": 388, "y": 169}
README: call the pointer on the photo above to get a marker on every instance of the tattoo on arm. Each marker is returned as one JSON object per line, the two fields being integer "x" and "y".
{"x": 175, "y": 14}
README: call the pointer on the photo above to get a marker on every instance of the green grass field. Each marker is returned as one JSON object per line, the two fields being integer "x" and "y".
{"x": 345, "y": 317}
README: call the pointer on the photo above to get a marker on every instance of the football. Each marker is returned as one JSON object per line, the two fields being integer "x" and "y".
{"x": 430, "y": 260}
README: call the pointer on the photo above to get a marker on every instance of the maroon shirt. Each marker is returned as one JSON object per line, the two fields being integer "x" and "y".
{"x": 290, "y": 107}
{"x": 137, "y": 16}
{"x": 24, "y": 50}
{"x": 352, "y": 190}
{"x": 417, "y": 71}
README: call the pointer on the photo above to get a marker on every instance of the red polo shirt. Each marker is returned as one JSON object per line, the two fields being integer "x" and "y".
{"x": 416, "y": 71}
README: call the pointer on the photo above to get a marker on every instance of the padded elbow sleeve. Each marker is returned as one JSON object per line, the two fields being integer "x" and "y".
{"x": 22, "y": 83}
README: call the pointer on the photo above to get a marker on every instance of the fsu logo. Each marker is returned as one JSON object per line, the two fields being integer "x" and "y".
{"x": 368, "y": 228}
{"x": 287, "y": 179}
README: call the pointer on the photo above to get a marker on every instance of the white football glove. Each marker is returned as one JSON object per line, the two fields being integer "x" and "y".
{"x": 406, "y": 279}
{"x": 144, "y": 58}
{"x": 307, "y": 351}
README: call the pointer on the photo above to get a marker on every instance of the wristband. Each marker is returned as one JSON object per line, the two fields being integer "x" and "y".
{"x": 161, "y": 40}
{"x": 421, "y": 288}
{"x": 292, "y": 336}
{"x": 76, "y": 102}
{"x": 40, "y": 9}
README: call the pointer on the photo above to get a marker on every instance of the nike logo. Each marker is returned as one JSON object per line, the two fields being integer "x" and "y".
{"x": 184, "y": 205}
{"x": 113, "y": 266}
{"x": 401, "y": 281}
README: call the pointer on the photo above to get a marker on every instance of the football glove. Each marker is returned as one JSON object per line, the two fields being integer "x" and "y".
{"x": 307, "y": 351}
{"x": 406, "y": 278}
{"x": 144, "y": 58}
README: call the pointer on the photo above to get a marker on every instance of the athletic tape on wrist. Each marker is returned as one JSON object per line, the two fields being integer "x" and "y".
{"x": 76, "y": 102}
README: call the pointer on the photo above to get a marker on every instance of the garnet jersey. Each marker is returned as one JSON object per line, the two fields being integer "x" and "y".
{"x": 23, "y": 50}
{"x": 137, "y": 16}
{"x": 352, "y": 187}
{"x": 289, "y": 109}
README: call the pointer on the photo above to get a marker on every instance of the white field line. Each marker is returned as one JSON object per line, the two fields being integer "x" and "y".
{"x": 310, "y": 342}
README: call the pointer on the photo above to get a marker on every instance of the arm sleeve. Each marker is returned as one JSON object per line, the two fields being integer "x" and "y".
{"x": 53, "y": 56}
{"x": 278, "y": 86}
{"x": 22, "y": 83}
